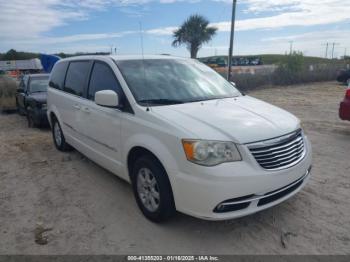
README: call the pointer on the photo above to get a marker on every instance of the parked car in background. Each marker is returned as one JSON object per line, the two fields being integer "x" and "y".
{"x": 344, "y": 76}
{"x": 31, "y": 98}
{"x": 184, "y": 137}
{"x": 344, "y": 110}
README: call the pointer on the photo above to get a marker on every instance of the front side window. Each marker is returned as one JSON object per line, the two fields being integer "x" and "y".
{"x": 58, "y": 74}
{"x": 76, "y": 77}
{"x": 102, "y": 78}
{"x": 38, "y": 84}
{"x": 172, "y": 81}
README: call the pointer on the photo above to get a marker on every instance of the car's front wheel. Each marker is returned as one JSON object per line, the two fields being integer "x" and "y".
{"x": 152, "y": 189}
{"x": 58, "y": 137}
{"x": 30, "y": 118}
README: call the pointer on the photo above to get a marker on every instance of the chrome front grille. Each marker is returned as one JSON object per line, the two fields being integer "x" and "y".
{"x": 281, "y": 152}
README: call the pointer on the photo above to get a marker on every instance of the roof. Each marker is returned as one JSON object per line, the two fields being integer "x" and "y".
{"x": 21, "y": 65}
{"x": 122, "y": 57}
{"x": 37, "y": 75}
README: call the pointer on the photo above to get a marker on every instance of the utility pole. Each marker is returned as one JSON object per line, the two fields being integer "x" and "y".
{"x": 333, "y": 44}
{"x": 231, "y": 39}
{"x": 326, "y": 44}
{"x": 291, "y": 47}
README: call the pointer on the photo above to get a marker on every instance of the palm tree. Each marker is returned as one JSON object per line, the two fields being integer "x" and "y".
{"x": 194, "y": 32}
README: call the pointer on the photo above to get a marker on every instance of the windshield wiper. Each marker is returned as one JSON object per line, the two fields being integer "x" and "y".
{"x": 161, "y": 101}
{"x": 212, "y": 98}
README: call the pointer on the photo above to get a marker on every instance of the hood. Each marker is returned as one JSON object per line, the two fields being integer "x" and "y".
{"x": 242, "y": 120}
{"x": 39, "y": 97}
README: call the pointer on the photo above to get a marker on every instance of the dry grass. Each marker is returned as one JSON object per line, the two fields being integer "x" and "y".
{"x": 8, "y": 88}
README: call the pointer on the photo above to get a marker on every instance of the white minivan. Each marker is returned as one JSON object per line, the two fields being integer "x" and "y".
{"x": 184, "y": 137}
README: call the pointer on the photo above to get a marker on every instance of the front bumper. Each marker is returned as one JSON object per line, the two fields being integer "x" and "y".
{"x": 40, "y": 116}
{"x": 244, "y": 184}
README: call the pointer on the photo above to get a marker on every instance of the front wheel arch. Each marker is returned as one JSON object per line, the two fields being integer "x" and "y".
{"x": 137, "y": 152}
{"x": 166, "y": 203}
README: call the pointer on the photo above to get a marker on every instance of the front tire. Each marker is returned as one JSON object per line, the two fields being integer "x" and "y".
{"x": 152, "y": 189}
{"x": 30, "y": 118}
{"x": 58, "y": 137}
{"x": 20, "y": 111}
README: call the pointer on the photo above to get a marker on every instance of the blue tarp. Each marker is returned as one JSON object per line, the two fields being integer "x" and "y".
{"x": 48, "y": 61}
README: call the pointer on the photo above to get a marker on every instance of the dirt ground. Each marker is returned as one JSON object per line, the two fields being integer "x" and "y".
{"x": 87, "y": 210}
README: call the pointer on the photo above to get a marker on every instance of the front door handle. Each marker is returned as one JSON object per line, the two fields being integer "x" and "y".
{"x": 77, "y": 107}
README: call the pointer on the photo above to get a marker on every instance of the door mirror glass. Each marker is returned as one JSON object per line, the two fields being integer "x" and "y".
{"x": 107, "y": 98}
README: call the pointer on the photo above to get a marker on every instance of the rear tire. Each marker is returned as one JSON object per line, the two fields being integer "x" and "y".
{"x": 152, "y": 189}
{"x": 58, "y": 137}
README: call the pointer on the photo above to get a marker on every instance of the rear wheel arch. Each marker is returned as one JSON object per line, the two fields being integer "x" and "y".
{"x": 52, "y": 116}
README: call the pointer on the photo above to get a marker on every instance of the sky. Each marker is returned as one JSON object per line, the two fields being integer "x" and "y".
{"x": 262, "y": 26}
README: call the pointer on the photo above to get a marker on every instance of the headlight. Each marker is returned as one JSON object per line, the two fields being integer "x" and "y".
{"x": 210, "y": 153}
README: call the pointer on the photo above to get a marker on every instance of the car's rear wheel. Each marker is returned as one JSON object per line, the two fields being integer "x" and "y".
{"x": 58, "y": 137}
{"x": 152, "y": 189}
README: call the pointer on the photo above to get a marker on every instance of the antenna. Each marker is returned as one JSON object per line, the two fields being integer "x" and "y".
{"x": 143, "y": 59}
{"x": 141, "y": 39}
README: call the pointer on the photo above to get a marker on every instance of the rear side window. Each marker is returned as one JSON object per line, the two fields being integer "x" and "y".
{"x": 102, "y": 78}
{"x": 76, "y": 77}
{"x": 57, "y": 75}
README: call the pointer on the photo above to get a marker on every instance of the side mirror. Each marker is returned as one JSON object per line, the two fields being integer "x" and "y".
{"x": 233, "y": 83}
{"x": 20, "y": 90}
{"x": 107, "y": 98}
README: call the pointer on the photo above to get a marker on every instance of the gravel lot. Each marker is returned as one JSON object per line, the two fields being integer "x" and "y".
{"x": 87, "y": 210}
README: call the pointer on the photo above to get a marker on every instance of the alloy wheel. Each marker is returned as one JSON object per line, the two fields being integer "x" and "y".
{"x": 148, "y": 190}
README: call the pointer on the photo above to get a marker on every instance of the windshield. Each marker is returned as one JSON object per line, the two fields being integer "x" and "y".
{"x": 38, "y": 84}
{"x": 172, "y": 81}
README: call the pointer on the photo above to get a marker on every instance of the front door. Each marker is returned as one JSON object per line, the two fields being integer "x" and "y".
{"x": 101, "y": 126}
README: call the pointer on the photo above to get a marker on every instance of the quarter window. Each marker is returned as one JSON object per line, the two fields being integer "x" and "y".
{"x": 76, "y": 77}
{"x": 102, "y": 78}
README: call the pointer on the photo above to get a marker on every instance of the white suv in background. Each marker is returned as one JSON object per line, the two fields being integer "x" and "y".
{"x": 184, "y": 137}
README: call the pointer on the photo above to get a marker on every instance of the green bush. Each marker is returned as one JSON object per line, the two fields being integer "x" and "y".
{"x": 8, "y": 89}
{"x": 293, "y": 70}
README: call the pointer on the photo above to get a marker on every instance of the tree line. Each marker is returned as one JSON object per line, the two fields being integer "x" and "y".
{"x": 12, "y": 54}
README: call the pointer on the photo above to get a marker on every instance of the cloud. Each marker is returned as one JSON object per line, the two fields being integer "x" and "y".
{"x": 28, "y": 22}
{"x": 162, "y": 31}
{"x": 299, "y": 13}
{"x": 26, "y": 19}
